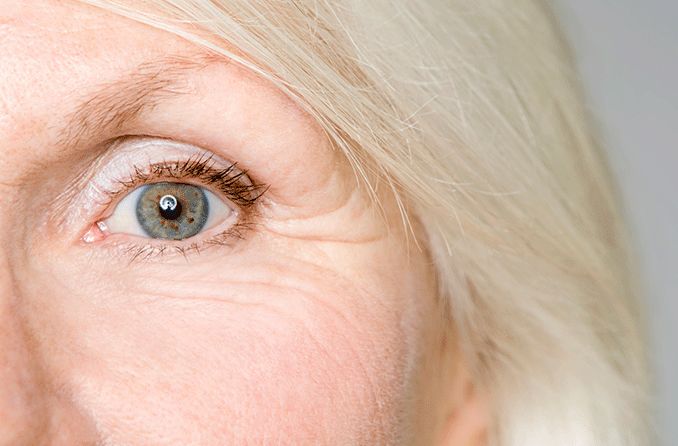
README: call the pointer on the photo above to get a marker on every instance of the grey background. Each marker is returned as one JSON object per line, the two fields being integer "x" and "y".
{"x": 627, "y": 52}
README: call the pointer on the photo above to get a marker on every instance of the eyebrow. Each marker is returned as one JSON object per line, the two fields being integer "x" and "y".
{"x": 118, "y": 102}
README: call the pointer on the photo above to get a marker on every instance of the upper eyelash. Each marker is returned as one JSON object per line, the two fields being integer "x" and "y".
{"x": 229, "y": 180}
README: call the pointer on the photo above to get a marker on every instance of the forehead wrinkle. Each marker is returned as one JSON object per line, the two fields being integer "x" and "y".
{"x": 119, "y": 102}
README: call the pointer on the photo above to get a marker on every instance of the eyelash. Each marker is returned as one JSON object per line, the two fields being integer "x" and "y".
{"x": 233, "y": 183}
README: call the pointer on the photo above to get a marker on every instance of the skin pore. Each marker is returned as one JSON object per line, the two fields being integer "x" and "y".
{"x": 315, "y": 323}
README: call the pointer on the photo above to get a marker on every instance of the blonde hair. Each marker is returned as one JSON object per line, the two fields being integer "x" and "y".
{"x": 471, "y": 113}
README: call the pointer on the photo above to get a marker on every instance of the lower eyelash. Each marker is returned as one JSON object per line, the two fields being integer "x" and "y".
{"x": 150, "y": 251}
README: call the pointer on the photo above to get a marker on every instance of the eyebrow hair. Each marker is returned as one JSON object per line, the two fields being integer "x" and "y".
{"x": 116, "y": 103}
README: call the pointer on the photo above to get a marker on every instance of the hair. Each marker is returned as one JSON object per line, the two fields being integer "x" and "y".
{"x": 471, "y": 112}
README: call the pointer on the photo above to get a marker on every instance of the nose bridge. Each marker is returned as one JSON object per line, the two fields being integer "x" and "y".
{"x": 22, "y": 409}
{"x": 22, "y": 412}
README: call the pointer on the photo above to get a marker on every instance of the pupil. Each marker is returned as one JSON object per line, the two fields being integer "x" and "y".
{"x": 170, "y": 208}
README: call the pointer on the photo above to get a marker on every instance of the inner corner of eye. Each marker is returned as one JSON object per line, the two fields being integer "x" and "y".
{"x": 166, "y": 210}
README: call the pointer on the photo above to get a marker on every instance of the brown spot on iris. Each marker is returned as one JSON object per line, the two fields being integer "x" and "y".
{"x": 173, "y": 211}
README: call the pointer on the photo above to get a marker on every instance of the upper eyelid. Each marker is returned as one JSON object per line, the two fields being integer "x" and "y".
{"x": 89, "y": 194}
{"x": 134, "y": 156}
{"x": 199, "y": 168}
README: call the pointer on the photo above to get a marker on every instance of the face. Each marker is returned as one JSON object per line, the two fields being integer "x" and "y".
{"x": 186, "y": 259}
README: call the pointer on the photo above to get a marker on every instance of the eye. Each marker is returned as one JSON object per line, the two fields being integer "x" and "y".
{"x": 167, "y": 210}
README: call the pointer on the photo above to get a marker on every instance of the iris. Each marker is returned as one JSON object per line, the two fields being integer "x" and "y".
{"x": 173, "y": 211}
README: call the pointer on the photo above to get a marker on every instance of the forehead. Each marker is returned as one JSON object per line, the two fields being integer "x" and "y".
{"x": 54, "y": 53}
{"x": 62, "y": 44}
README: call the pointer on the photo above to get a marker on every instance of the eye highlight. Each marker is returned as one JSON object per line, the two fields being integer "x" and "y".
{"x": 166, "y": 210}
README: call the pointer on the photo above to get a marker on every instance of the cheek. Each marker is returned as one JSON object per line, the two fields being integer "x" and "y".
{"x": 315, "y": 357}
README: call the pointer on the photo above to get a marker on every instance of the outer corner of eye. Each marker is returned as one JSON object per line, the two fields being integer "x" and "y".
{"x": 166, "y": 210}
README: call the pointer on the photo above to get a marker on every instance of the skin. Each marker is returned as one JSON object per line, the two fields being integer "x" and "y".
{"x": 319, "y": 326}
